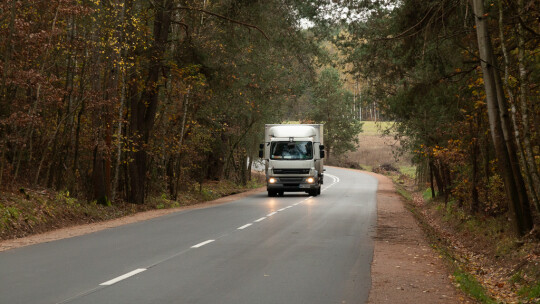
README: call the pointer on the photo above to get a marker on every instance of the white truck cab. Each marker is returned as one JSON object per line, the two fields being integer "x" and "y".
{"x": 293, "y": 156}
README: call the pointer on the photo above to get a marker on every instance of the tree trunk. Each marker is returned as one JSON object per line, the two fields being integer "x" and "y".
{"x": 32, "y": 110}
{"x": 498, "y": 114}
{"x": 119, "y": 135}
{"x": 2, "y": 162}
{"x": 522, "y": 157}
{"x": 249, "y": 165}
{"x": 431, "y": 175}
{"x": 122, "y": 71}
{"x": 8, "y": 52}
{"x": 528, "y": 154}
{"x": 98, "y": 177}
{"x": 143, "y": 108}
{"x": 438, "y": 177}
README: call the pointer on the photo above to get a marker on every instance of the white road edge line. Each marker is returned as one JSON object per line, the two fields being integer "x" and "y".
{"x": 279, "y": 210}
{"x": 288, "y": 207}
{"x": 202, "y": 244}
{"x": 270, "y": 214}
{"x": 123, "y": 277}
{"x": 261, "y": 219}
{"x": 245, "y": 226}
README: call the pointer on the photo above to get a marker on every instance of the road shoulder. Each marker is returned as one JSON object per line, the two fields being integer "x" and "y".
{"x": 405, "y": 268}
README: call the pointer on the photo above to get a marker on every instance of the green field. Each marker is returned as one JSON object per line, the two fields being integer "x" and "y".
{"x": 375, "y": 128}
{"x": 376, "y": 149}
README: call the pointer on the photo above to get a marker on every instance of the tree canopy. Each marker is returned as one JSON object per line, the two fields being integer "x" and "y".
{"x": 460, "y": 79}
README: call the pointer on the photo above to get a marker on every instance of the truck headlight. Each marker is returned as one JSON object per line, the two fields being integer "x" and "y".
{"x": 272, "y": 180}
{"x": 310, "y": 180}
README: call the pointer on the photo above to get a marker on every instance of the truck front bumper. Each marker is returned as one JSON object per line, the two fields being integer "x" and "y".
{"x": 292, "y": 184}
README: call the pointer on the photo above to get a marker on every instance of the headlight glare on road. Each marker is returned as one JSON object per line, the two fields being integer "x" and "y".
{"x": 271, "y": 180}
{"x": 310, "y": 180}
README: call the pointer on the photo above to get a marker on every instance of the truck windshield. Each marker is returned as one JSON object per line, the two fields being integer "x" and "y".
{"x": 291, "y": 150}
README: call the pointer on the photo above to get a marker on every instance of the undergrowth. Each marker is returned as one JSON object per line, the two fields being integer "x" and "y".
{"x": 471, "y": 286}
{"x": 491, "y": 236}
{"x": 30, "y": 211}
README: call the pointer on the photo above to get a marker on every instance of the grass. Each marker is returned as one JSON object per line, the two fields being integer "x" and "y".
{"x": 463, "y": 280}
{"x": 375, "y": 128}
{"x": 491, "y": 237}
{"x": 28, "y": 211}
{"x": 409, "y": 171}
{"x": 401, "y": 190}
{"x": 427, "y": 195}
{"x": 376, "y": 149}
{"x": 472, "y": 287}
{"x": 530, "y": 292}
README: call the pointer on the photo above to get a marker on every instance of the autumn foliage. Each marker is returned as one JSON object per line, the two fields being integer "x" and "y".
{"x": 461, "y": 79}
{"x": 121, "y": 99}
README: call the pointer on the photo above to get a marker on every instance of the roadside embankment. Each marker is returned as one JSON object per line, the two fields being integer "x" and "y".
{"x": 405, "y": 268}
{"x": 38, "y": 217}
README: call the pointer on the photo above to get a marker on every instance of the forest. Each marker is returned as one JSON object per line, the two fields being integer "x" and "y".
{"x": 120, "y": 100}
{"x": 460, "y": 79}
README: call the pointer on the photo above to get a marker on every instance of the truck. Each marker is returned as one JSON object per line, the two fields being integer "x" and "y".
{"x": 293, "y": 156}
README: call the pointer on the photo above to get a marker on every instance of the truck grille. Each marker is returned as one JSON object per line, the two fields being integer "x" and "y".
{"x": 291, "y": 171}
{"x": 291, "y": 179}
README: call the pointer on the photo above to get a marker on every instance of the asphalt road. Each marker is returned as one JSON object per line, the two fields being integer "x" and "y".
{"x": 292, "y": 249}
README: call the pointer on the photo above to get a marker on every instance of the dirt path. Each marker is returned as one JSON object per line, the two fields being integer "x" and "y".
{"x": 405, "y": 268}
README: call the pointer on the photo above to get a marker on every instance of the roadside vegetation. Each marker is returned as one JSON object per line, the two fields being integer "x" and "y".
{"x": 460, "y": 82}
{"x": 484, "y": 256}
{"x": 123, "y": 101}
{"x": 31, "y": 211}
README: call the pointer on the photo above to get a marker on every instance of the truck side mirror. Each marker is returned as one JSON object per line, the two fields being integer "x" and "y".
{"x": 321, "y": 150}
{"x": 261, "y": 153}
{"x": 322, "y": 153}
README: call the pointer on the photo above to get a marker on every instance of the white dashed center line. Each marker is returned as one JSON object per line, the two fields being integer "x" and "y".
{"x": 243, "y": 227}
{"x": 123, "y": 277}
{"x": 137, "y": 271}
{"x": 202, "y": 244}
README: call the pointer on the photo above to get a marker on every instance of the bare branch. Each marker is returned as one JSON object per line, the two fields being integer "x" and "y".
{"x": 223, "y": 17}
{"x": 403, "y": 34}
{"x": 185, "y": 26}
{"x": 528, "y": 29}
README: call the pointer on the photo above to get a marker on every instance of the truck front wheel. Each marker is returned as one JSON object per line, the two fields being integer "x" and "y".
{"x": 272, "y": 193}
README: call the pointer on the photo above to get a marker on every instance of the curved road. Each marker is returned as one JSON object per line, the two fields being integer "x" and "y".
{"x": 291, "y": 249}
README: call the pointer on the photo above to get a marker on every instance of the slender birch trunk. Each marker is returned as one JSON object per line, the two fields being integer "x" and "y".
{"x": 529, "y": 161}
{"x": 513, "y": 110}
{"x": 497, "y": 113}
